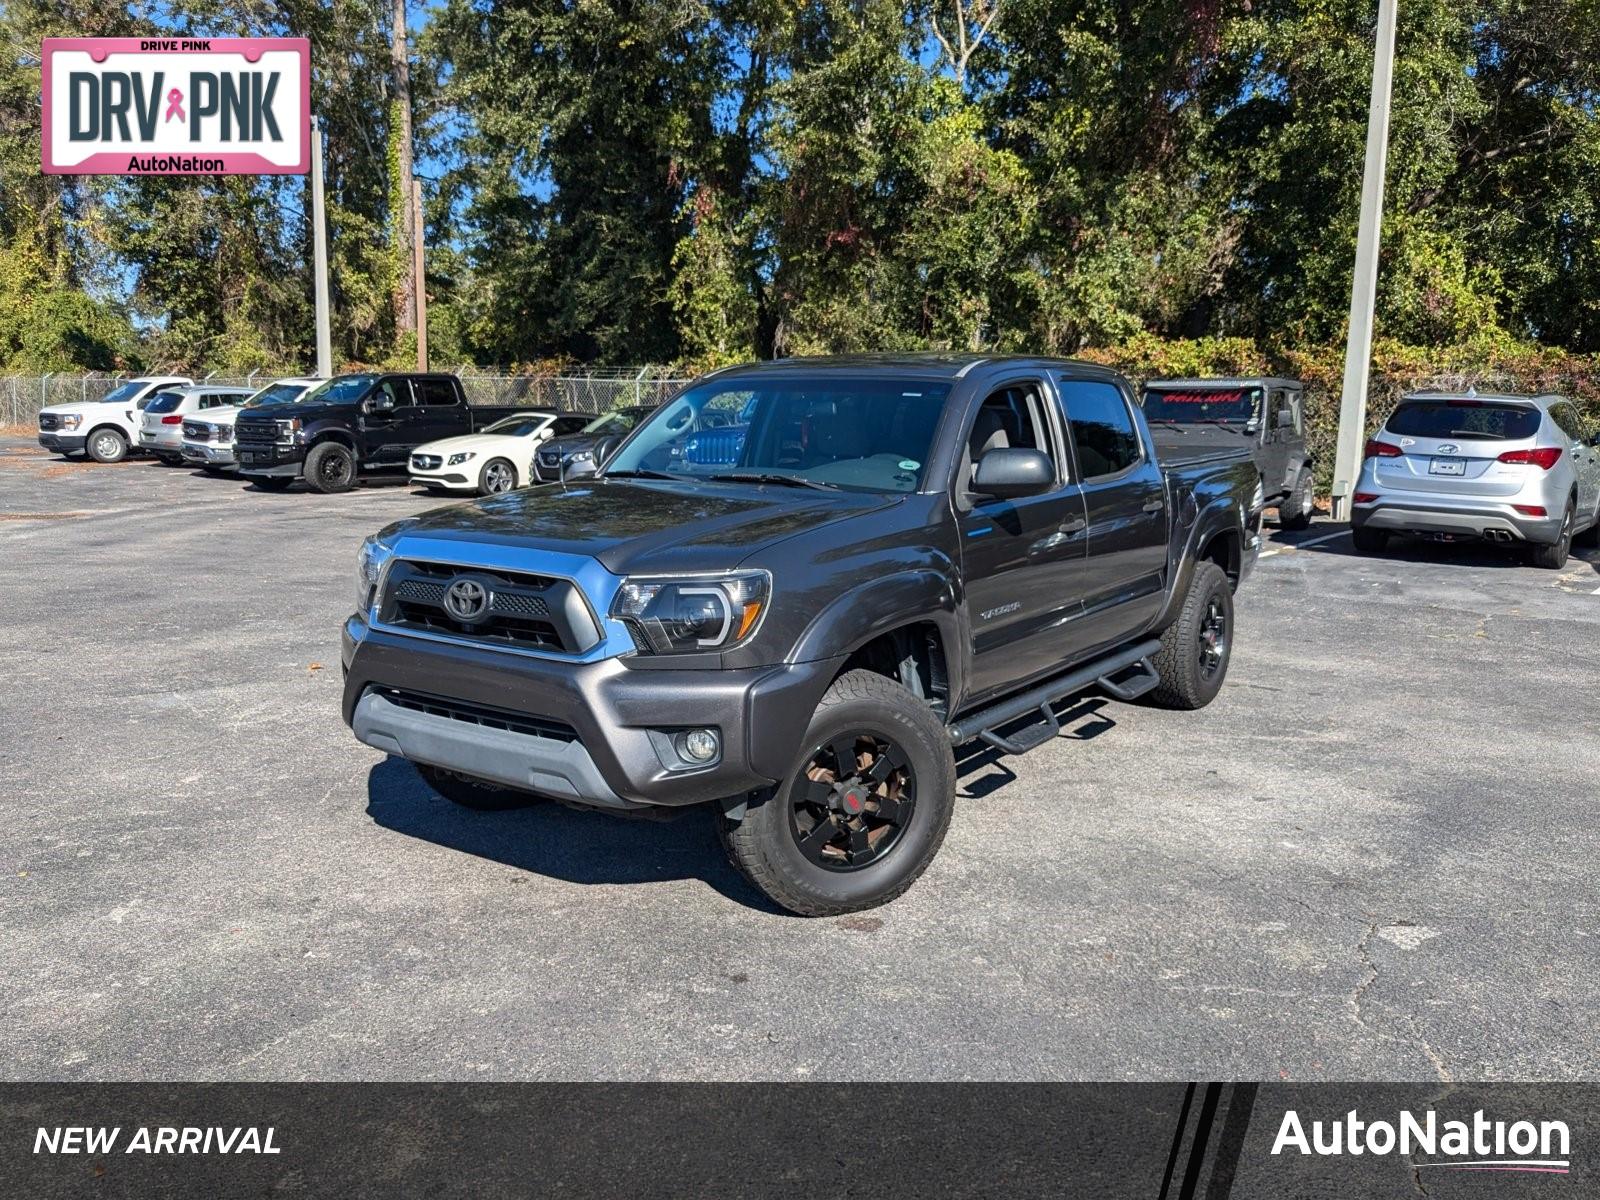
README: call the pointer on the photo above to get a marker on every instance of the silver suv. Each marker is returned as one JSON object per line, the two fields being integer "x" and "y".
{"x": 1521, "y": 470}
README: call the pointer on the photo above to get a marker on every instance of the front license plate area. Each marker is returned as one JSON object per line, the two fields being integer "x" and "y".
{"x": 1447, "y": 466}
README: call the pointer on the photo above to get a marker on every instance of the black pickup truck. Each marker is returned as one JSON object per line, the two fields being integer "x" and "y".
{"x": 353, "y": 425}
{"x": 1189, "y": 416}
{"x": 908, "y": 554}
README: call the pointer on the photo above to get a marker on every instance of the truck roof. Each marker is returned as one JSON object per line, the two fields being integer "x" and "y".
{"x": 1231, "y": 382}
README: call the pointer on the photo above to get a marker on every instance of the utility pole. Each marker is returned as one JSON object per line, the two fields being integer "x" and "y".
{"x": 1364, "y": 291}
{"x": 319, "y": 253}
{"x": 405, "y": 290}
{"x": 421, "y": 275}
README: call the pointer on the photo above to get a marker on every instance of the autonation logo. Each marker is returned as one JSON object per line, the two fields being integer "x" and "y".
{"x": 1476, "y": 1145}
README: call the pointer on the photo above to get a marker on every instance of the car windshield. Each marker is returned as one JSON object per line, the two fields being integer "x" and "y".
{"x": 618, "y": 422}
{"x": 126, "y": 391}
{"x": 276, "y": 393}
{"x": 519, "y": 426}
{"x": 870, "y": 435}
{"x": 345, "y": 389}
{"x": 164, "y": 402}
{"x": 1465, "y": 419}
{"x": 1195, "y": 406}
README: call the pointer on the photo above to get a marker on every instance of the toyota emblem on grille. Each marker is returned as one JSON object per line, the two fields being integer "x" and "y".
{"x": 466, "y": 600}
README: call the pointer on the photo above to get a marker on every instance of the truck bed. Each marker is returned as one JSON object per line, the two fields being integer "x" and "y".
{"x": 1191, "y": 445}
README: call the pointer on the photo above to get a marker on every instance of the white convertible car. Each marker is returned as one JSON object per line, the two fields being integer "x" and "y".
{"x": 495, "y": 459}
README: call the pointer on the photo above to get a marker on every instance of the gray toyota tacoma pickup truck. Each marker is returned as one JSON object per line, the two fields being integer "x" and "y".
{"x": 894, "y": 557}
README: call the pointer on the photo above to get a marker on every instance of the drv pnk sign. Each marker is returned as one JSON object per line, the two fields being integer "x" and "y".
{"x": 177, "y": 106}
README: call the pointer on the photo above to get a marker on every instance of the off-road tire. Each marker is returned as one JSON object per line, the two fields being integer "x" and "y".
{"x": 1184, "y": 682}
{"x": 330, "y": 468}
{"x": 1296, "y": 509}
{"x": 1554, "y": 557}
{"x": 272, "y": 483}
{"x": 763, "y": 847}
{"x": 1370, "y": 541}
{"x": 477, "y": 794}
{"x": 107, "y": 445}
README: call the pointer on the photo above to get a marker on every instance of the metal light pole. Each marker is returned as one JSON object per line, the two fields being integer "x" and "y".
{"x": 319, "y": 250}
{"x": 1363, "y": 294}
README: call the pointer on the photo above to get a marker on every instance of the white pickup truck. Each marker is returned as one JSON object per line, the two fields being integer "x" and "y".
{"x": 105, "y": 429}
{"x": 208, "y": 437}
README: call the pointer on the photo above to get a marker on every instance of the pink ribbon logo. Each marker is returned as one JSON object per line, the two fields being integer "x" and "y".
{"x": 175, "y": 105}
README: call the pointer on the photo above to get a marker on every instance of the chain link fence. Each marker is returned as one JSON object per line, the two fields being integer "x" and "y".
{"x": 586, "y": 391}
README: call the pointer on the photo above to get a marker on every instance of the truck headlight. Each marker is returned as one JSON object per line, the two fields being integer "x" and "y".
{"x": 370, "y": 560}
{"x": 287, "y": 431}
{"x": 71, "y": 421}
{"x": 466, "y": 456}
{"x": 677, "y": 616}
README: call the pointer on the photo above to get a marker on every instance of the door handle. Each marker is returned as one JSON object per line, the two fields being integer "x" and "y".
{"x": 1075, "y": 525}
{"x": 1153, "y": 506}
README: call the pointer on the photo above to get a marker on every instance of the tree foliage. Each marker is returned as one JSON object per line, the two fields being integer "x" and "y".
{"x": 705, "y": 180}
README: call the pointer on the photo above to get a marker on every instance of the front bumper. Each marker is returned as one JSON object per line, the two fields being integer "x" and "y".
{"x": 1435, "y": 517}
{"x": 63, "y": 443}
{"x": 621, "y": 718}
{"x": 269, "y": 458}
{"x": 209, "y": 453}
{"x": 441, "y": 479}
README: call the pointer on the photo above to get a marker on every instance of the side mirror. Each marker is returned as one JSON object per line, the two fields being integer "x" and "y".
{"x": 1010, "y": 472}
{"x": 605, "y": 448}
{"x": 1286, "y": 418}
{"x": 380, "y": 402}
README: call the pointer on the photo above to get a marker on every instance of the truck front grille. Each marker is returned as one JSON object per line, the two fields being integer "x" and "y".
{"x": 477, "y": 714}
{"x": 195, "y": 431}
{"x": 517, "y": 609}
{"x": 49, "y": 421}
{"x": 256, "y": 432}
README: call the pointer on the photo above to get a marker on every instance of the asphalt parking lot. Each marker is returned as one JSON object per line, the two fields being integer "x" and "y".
{"x": 1376, "y": 856}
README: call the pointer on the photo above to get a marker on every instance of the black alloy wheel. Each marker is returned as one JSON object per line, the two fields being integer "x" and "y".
{"x": 858, "y": 796}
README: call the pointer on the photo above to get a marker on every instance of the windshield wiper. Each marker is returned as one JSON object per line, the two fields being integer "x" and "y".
{"x": 773, "y": 477}
{"x": 644, "y": 473}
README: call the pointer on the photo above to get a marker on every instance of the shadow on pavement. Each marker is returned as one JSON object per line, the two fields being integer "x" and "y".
{"x": 550, "y": 839}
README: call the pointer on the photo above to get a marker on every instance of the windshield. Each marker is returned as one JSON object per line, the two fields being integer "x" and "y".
{"x": 275, "y": 393}
{"x": 1194, "y": 406}
{"x": 1466, "y": 419}
{"x": 164, "y": 402}
{"x": 618, "y": 422}
{"x": 519, "y": 426}
{"x": 344, "y": 389}
{"x": 126, "y": 392}
{"x": 868, "y": 435}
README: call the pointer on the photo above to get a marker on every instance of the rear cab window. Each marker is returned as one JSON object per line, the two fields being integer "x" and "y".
{"x": 1470, "y": 420}
{"x": 1103, "y": 432}
{"x": 1200, "y": 405}
{"x": 434, "y": 393}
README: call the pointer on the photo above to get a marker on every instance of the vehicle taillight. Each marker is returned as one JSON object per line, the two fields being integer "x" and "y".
{"x": 1363, "y": 497}
{"x": 1377, "y": 449}
{"x": 1531, "y": 510}
{"x": 1544, "y": 457}
{"x": 172, "y": 420}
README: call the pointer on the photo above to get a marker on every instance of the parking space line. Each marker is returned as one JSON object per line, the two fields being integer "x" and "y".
{"x": 1327, "y": 537}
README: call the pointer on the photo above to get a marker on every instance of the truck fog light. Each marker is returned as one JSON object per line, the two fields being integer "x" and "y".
{"x": 698, "y": 745}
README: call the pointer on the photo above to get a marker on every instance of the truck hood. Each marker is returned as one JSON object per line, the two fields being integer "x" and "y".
{"x": 1200, "y": 443}
{"x": 85, "y": 408}
{"x": 642, "y": 527}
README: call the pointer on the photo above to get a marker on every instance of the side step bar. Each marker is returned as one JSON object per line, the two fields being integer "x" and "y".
{"x": 1126, "y": 674}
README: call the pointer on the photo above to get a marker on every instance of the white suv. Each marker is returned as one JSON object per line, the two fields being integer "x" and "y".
{"x": 208, "y": 436}
{"x": 161, "y": 428}
{"x": 104, "y": 429}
